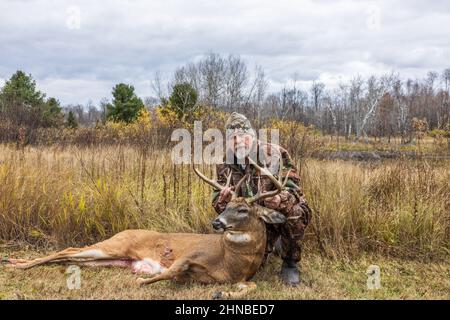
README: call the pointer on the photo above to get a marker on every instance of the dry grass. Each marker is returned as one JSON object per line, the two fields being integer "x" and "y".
{"x": 77, "y": 196}
{"x": 398, "y": 207}
{"x": 323, "y": 279}
{"x": 426, "y": 145}
{"x": 393, "y": 214}
{"x": 52, "y": 197}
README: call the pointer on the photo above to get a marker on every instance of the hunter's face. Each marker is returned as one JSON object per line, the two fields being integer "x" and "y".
{"x": 242, "y": 144}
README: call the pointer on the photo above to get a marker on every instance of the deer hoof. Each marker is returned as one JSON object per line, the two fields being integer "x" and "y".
{"x": 217, "y": 295}
{"x": 141, "y": 281}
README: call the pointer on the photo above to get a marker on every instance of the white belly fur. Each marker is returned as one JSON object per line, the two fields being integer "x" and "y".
{"x": 147, "y": 265}
{"x": 92, "y": 253}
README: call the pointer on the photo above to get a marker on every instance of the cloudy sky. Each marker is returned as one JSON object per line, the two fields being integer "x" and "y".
{"x": 77, "y": 50}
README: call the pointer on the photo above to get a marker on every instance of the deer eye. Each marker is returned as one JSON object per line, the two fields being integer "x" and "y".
{"x": 242, "y": 211}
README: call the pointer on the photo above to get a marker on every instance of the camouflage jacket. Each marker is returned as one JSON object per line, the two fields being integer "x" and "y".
{"x": 289, "y": 197}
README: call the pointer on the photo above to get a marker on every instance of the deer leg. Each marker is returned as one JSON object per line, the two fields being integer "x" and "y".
{"x": 177, "y": 268}
{"x": 71, "y": 254}
{"x": 243, "y": 288}
{"x": 12, "y": 261}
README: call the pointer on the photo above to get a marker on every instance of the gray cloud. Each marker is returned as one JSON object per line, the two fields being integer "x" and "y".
{"x": 127, "y": 41}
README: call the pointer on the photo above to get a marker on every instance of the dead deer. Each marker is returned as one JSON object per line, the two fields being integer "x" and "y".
{"x": 233, "y": 256}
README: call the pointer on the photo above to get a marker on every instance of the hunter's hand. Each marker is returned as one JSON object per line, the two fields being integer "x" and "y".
{"x": 225, "y": 194}
{"x": 273, "y": 202}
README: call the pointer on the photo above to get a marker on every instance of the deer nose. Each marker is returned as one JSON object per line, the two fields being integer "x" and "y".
{"x": 218, "y": 224}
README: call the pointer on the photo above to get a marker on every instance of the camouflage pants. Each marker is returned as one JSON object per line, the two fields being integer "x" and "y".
{"x": 291, "y": 232}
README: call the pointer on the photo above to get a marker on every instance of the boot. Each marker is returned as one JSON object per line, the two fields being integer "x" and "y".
{"x": 289, "y": 272}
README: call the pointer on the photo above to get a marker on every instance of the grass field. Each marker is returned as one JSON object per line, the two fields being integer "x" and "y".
{"x": 323, "y": 278}
{"x": 394, "y": 214}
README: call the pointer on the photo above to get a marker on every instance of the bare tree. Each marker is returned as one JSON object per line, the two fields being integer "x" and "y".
{"x": 212, "y": 72}
{"x": 235, "y": 81}
{"x": 376, "y": 106}
{"x": 317, "y": 90}
{"x": 374, "y": 93}
{"x": 355, "y": 97}
{"x": 156, "y": 86}
{"x": 402, "y": 107}
{"x": 444, "y": 105}
{"x": 260, "y": 85}
{"x": 104, "y": 102}
{"x": 446, "y": 78}
{"x": 328, "y": 102}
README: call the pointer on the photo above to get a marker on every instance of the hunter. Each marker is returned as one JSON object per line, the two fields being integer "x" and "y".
{"x": 282, "y": 239}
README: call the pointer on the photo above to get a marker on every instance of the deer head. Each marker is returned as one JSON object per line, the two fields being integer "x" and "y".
{"x": 244, "y": 214}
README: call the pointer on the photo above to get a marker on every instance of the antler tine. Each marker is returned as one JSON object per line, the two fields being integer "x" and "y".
{"x": 269, "y": 174}
{"x": 228, "y": 179}
{"x": 280, "y": 174}
{"x": 286, "y": 178}
{"x": 213, "y": 183}
{"x": 279, "y": 183}
{"x": 263, "y": 195}
{"x": 238, "y": 186}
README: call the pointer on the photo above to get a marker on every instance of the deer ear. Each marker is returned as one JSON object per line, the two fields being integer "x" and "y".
{"x": 270, "y": 216}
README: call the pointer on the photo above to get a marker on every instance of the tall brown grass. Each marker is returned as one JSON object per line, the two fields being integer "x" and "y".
{"x": 78, "y": 195}
{"x": 399, "y": 207}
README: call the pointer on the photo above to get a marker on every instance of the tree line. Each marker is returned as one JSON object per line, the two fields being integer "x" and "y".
{"x": 378, "y": 106}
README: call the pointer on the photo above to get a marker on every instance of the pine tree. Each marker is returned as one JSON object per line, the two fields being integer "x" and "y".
{"x": 183, "y": 99}
{"x": 125, "y": 105}
{"x": 21, "y": 102}
{"x": 52, "y": 115}
{"x": 71, "y": 121}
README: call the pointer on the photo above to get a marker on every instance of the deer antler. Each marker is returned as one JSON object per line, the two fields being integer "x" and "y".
{"x": 211, "y": 182}
{"x": 238, "y": 185}
{"x": 220, "y": 187}
{"x": 279, "y": 183}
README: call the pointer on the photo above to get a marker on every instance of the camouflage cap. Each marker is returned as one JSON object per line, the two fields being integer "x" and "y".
{"x": 238, "y": 123}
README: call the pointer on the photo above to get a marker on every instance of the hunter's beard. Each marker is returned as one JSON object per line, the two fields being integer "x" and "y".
{"x": 242, "y": 152}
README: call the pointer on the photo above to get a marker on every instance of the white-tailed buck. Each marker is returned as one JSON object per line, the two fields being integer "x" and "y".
{"x": 233, "y": 256}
